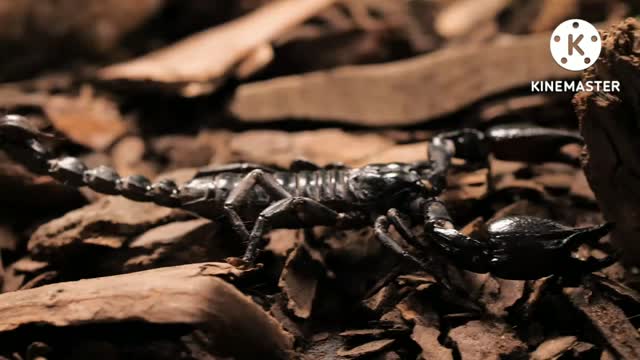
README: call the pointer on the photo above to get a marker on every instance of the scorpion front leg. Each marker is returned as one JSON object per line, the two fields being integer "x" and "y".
{"x": 381, "y": 230}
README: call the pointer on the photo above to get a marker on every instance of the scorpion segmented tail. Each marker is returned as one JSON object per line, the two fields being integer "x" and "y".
{"x": 23, "y": 143}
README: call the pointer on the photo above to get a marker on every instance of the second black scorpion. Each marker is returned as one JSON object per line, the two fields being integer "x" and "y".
{"x": 398, "y": 194}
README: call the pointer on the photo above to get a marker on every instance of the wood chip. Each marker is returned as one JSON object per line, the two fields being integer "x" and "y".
{"x": 299, "y": 280}
{"x": 194, "y": 294}
{"x": 479, "y": 340}
{"x": 113, "y": 216}
{"x": 608, "y": 319}
{"x": 366, "y": 349}
{"x": 281, "y": 148}
{"x": 415, "y": 90}
{"x": 427, "y": 339}
{"x": 461, "y": 17}
{"x": 198, "y": 64}
{"x": 553, "y": 348}
{"x": 88, "y": 120}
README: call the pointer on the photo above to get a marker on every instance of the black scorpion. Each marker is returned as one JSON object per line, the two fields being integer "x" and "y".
{"x": 398, "y": 194}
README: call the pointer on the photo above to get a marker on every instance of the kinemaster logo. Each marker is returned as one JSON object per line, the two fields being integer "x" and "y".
{"x": 575, "y": 45}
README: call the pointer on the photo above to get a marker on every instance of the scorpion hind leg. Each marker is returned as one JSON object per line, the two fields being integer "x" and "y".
{"x": 238, "y": 195}
{"x": 307, "y": 211}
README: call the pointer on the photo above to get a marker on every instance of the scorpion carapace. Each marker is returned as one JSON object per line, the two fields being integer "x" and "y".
{"x": 395, "y": 194}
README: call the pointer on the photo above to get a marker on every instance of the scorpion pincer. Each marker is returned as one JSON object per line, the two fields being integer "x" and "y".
{"x": 398, "y": 194}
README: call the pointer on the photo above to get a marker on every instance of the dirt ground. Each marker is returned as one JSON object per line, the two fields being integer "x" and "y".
{"x": 162, "y": 88}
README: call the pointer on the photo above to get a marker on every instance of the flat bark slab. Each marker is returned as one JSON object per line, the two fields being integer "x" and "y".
{"x": 194, "y": 294}
{"x": 401, "y": 92}
{"x": 199, "y": 63}
{"x": 609, "y": 124}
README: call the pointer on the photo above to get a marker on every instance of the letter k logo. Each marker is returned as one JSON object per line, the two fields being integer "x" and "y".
{"x": 575, "y": 45}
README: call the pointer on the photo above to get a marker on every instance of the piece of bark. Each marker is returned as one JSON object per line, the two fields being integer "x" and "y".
{"x": 193, "y": 294}
{"x": 479, "y": 340}
{"x": 553, "y": 348}
{"x": 552, "y": 13}
{"x": 179, "y": 242}
{"x": 608, "y": 319}
{"x": 427, "y": 339}
{"x": 365, "y": 349}
{"x": 128, "y": 158}
{"x": 299, "y": 281}
{"x": 200, "y": 63}
{"x": 356, "y": 32}
{"x": 415, "y": 90}
{"x": 498, "y": 295}
{"x": 88, "y": 120}
{"x": 281, "y": 148}
{"x": 107, "y": 222}
{"x": 609, "y": 124}
{"x": 461, "y": 17}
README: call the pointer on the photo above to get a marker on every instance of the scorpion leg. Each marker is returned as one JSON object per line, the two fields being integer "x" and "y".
{"x": 307, "y": 211}
{"x": 467, "y": 252}
{"x": 239, "y": 194}
{"x": 381, "y": 229}
{"x": 233, "y": 168}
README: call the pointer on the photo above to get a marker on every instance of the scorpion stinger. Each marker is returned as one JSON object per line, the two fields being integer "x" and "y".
{"x": 308, "y": 195}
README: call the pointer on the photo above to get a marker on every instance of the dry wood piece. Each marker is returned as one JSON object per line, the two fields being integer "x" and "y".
{"x": 199, "y": 63}
{"x": 463, "y": 16}
{"x": 281, "y": 148}
{"x": 299, "y": 280}
{"x": 107, "y": 222}
{"x": 553, "y": 348}
{"x": 366, "y": 349}
{"x": 194, "y": 294}
{"x": 608, "y": 319}
{"x": 91, "y": 121}
{"x": 609, "y": 124}
{"x": 414, "y": 90}
{"x": 427, "y": 339}
{"x": 486, "y": 341}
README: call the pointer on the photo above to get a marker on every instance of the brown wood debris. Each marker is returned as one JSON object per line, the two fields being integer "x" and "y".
{"x": 608, "y": 124}
{"x": 193, "y": 294}
{"x": 479, "y": 340}
{"x": 349, "y": 94}
{"x": 608, "y": 320}
{"x": 200, "y": 63}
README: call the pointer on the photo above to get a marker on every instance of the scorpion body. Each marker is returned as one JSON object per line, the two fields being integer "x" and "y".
{"x": 307, "y": 195}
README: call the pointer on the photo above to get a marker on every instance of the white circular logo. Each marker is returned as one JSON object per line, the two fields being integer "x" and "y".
{"x": 575, "y": 44}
